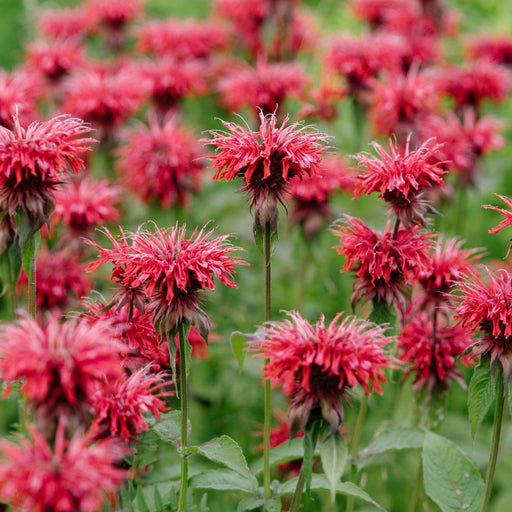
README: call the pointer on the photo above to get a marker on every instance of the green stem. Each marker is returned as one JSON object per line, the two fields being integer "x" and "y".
{"x": 355, "y": 448}
{"x": 32, "y": 288}
{"x": 297, "y": 495}
{"x": 268, "y": 408}
{"x": 417, "y": 488}
{"x": 12, "y": 289}
{"x": 184, "y": 418}
{"x": 301, "y": 284}
{"x": 498, "y": 421}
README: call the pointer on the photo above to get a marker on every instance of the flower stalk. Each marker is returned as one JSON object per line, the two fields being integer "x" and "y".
{"x": 184, "y": 417}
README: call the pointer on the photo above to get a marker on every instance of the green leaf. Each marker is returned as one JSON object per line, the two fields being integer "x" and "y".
{"x": 222, "y": 480}
{"x": 382, "y": 313}
{"x": 309, "y": 443}
{"x": 481, "y": 392}
{"x": 225, "y": 450}
{"x": 259, "y": 231}
{"x": 334, "y": 454}
{"x": 399, "y": 438}
{"x": 320, "y": 483}
{"x": 141, "y": 503}
{"x": 450, "y": 478}
{"x": 10, "y": 267}
{"x": 28, "y": 254}
{"x": 273, "y": 505}
{"x": 291, "y": 450}
{"x": 250, "y": 503}
{"x": 168, "y": 429}
{"x": 238, "y": 341}
{"x": 154, "y": 497}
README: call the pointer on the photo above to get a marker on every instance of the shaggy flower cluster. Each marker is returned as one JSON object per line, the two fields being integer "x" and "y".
{"x": 170, "y": 270}
{"x": 507, "y": 221}
{"x": 384, "y": 262}
{"x": 317, "y": 364}
{"x": 71, "y": 476}
{"x": 401, "y": 176}
{"x": 267, "y": 160}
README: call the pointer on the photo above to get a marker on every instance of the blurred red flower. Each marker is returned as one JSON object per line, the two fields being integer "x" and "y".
{"x": 64, "y": 22}
{"x": 496, "y": 48}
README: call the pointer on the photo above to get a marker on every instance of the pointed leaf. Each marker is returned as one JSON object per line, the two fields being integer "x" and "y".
{"x": 250, "y": 503}
{"x": 383, "y": 313}
{"x": 10, "y": 267}
{"x": 320, "y": 483}
{"x": 290, "y": 450}
{"x": 225, "y": 450}
{"x": 168, "y": 428}
{"x": 28, "y": 254}
{"x": 481, "y": 393}
{"x": 450, "y": 478}
{"x": 222, "y": 480}
{"x": 334, "y": 454}
{"x": 238, "y": 341}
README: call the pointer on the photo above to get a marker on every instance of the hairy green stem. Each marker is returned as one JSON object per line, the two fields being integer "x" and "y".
{"x": 184, "y": 417}
{"x": 297, "y": 495}
{"x": 268, "y": 406}
{"x": 355, "y": 448}
{"x": 498, "y": 421}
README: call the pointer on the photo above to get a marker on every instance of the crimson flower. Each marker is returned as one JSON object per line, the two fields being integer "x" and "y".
{"x": 71, "y": 476}
{"x": 317, "y": 364}
{"x": 383, "y": 262}
{"x": 507, "y": 221}
{"x": 400, "y": 176}
{"x": 432, "y": 352}
{"x": 486, "y": 308}
{"x": 161, "y": 162}
{"x": 267, "y": 160}
{"x": 120, "y": 405}
{"x": 263, "y": 87}
{"x": 171, "y": 270}
{"x": 64, "y": 22}
{"x": 377, "y": 12}
{"x": 61, "y": 365}
{"x": 496, "y": 48}
{"x": 311, "y": 196}
{"x": 85, "y": 204}
{"x": 33, "y": 159}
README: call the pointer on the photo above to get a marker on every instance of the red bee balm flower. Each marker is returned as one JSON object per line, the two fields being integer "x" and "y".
{"x": 171, "y": 269}
{"x": 74, "y": 476}
{"x": 433, "y": 353}
{"x": 267, "y": 160}
{"x": 32, "y": 160}
{"x": 487, "y": 308}
{"x": 316, "y": 364}
{"x": 61, "y": 365}
{"x": 401, "y": 177}
{"x": 120, "y": 406}
{"x": 383, "y": 262}
{"x": 507, "y": 221}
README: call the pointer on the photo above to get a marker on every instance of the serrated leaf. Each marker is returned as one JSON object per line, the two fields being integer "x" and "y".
{"x": 334, "y": 454}
{"x": 285, "y": 452}
{"x": 481, "y": 393}
{"x": 450, "y": 478}
{"x": 238, "y": 341}
{"x": 320, "y": 483}
{"x": 399, "y": 438}
{"x": 250, "y": 503}
{"x": 225, "y": 450}
{"x": 222, "y": 480}
{"x": 168, "y": 429}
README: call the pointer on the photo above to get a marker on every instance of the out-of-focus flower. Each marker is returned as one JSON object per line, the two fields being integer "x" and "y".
{"x": 162, "y": 162}
{"x": 171, "y": 271}
{"x": 401, "y": 176}
{"x": 70, "y": 476}
{"x": 322, "y": 102}
{"x": 62, "y": 23}
{"x": 397, "y": 101}
{"x": 317, "y": 364}
{"x": 60, "y": 281}
{"x": 433, "y": 352}
{"x": 449, "y": 263}
{"x": 61, "y": 365}
{"x": 266, "y": 160}
{"x": 55, "y": 59}
{"x": 263, "y": 87}
{"x": 311, "y": 195}
{"x": 84, "y": 204}
{"x": 19, "y": 92}
{"x": 496, "y": 48}
{"x": 385, "y": 263}
{"x": 104, "y": 96}
{"x": 33, "y": 159}
{"x": 181, "y": 39}
{"x": 120, "y": 405}
{"x": 507, "y": 221}
{"x": 469, "y": 86}
{"x": 377, "y": 12}
{"x": 486, "y": 308}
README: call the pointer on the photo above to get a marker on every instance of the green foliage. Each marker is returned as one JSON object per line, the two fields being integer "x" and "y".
{"x": 334, "y": 454}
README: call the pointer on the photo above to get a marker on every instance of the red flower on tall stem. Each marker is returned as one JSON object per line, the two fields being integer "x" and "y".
{"x": 70, "y": 476}
{"x": 267, "y": 160}
{"x": 33, "y": 159}
{"x": 318, "y": 364}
